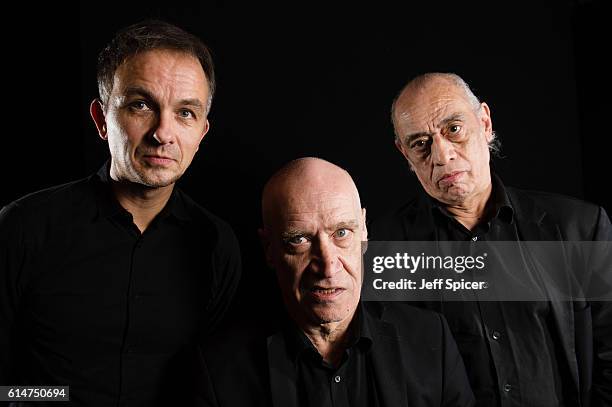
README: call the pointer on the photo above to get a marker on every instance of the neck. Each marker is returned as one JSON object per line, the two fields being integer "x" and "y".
{"x": 144, "y": 203}
{"x": 330, "y": 339}
{"x": 471, "y": 212}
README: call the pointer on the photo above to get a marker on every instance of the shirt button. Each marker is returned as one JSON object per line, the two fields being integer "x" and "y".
{"x": 475, "y": 238}
{"x": 337, "y": 379}
{"x": 507, "y": 387}
{"x": 496, "y": 335}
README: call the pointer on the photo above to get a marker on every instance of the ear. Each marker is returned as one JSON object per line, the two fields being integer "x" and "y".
{"x": 206, "y": 128}
{"x": 402, "y": 149}
{"x": 485, "y": 118}
{"x": 364, "y": 235}
{"x": 264, "y": 238}
{"x": 96, "y": 110}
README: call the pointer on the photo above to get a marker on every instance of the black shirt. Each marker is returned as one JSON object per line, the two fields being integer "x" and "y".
{"x": 88, "y": 301}
{"x": 507, "y": 347}
{"x": 323, "y": 385}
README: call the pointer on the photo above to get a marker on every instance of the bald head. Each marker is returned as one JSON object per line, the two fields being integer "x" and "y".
{"x": 303, "y": 179}
{"x": 428, "y": 83}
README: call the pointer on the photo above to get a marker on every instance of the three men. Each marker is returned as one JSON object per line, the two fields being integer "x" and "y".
{"x": 108, "y": 284}
{"x": 329, "y": 349}
{"x": 536, "y": 353}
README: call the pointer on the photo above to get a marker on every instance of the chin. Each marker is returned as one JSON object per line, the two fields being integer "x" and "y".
{"x": 330, "y": 315}
{"x": 457, "y": 193}
{"x": 158, "y": 180}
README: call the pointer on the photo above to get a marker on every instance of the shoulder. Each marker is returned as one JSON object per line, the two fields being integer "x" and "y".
{"x": 50, "y": 203}
{"x": 235, "y": 341}
{"x": 239, "y": 351}
{"x": 418, "y": 327}
{"x": 409, "y": 208}
{"x": 409, "y": 319}
{"x": 208, "y": 222}
{"x": 554, "y": 204}
{"x": 389, "y": 225}
{"x": 576, "y": 218}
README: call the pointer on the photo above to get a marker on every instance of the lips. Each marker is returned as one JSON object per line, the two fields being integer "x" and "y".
{"x": 450, "y": 177}
{"x": 158, "y": 159}
{"x": 325, "y": 293}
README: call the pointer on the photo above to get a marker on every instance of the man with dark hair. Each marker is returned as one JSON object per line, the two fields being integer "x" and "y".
{"x": 109, "y": 283}
{"x": 328, "y": 348}
{"x": 537, "y": 353}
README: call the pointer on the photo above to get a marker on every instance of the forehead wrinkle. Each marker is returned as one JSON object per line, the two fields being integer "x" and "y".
{"x": 320, "y": 212}
{"x": 306, "y": 185}
{"x": 177, "y": 76}
{"x": 432, "y": 118}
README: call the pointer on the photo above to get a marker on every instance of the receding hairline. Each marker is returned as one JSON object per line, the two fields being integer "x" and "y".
{"x": 421, "y": 81}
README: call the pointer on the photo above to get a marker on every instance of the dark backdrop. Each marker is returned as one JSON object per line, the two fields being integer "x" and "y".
{"x": 318, "y": 80}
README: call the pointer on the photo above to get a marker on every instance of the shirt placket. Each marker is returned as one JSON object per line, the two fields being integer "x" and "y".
{"x": 130, "y": 344}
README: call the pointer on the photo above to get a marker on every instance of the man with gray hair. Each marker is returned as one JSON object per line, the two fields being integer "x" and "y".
{"x": 538, "y": 353}
{"x": 108, "y": 284}
{"x": 329, "y": 349}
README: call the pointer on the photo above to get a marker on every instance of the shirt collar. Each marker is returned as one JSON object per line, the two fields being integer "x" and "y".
{"x": 299, "y": 343}
{"x": 108, "y": 205}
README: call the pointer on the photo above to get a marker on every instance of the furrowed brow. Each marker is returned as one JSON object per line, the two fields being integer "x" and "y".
{"x": 194, "y": 103}
{"x": 452, "y": 118}
{"x": 138, "y": 91}
{"x": 409, "y": 138}
{"x": 413, "y": 136}
{"x": 351, "y": 224}
{"x": 289, "y": 234}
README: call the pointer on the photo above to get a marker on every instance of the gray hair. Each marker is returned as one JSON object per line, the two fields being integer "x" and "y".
{"x": 456, "y": 80}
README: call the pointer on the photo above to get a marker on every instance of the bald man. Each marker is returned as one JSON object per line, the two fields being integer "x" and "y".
{"x": 328, "y": 349}
{"x": 538, "y": 353}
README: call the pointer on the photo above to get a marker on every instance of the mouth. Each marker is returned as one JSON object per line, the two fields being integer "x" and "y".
{"x": 158, "y": 160}
{"x": 325, "y": 294}
{"x": 450, "y": 177}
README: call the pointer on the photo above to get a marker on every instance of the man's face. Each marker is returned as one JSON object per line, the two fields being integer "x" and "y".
{"x": 445, "y": 140}
{"x": 315, "y": 247}
{"x": 155, "y": 117}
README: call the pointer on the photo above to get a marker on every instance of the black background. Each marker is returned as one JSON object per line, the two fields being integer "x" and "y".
{"x": 316, "y": 80}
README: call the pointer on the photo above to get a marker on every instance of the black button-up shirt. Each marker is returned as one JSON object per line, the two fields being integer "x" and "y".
{"x": 323, "y": 385}
{"x": 508, "y": 349}
{"x": 88, "y": 301}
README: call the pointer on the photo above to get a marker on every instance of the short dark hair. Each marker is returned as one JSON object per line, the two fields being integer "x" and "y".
{"x": 145, "y": 36}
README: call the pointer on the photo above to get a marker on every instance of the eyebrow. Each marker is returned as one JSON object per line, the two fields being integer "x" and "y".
{"x": 351, "y": 224}
{"x": 137, "y": 90}
{"x": 292, "y": 233}
{"x": 453, "y": 117}
{"x": 140, "y": 91}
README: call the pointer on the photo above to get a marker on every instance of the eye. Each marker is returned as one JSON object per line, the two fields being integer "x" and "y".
{"x": 139, "y": 105}
{"x": 420, "y": 144}
{"x": 342, "y": 233}
{"x": 297, "y": 240}
{"x": 454, "y": 129}
{"x": 186, "y": 114}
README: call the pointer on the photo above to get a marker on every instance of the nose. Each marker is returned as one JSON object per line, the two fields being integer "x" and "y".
{"x": 326, "y": 263}
{"x": 442, "y": 150}
{"x": 164, "y": 132}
